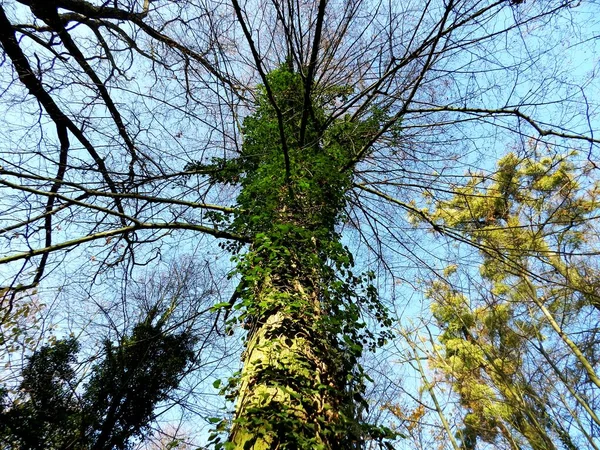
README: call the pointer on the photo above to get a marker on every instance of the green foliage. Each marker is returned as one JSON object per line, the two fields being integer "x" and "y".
{"x": 297, "y": 269}
{"x": 313, "y": 195}
{"x": 116, "y": 403}
{"x": 46, "y": 413}
{"x": 531, "y": 217}
{"x": 133, "y": 378}
{"x": 484, "y": 356}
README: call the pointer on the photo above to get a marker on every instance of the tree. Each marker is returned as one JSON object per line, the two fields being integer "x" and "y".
{"x": 118, "y": 400}
{"x": 299, "y": 382}
{"x": 283, "y": 129}
{"x": 526, "y": 339}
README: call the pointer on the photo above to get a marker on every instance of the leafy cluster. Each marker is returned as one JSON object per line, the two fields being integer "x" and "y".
{"x": 116, "y": 404}
{"x": 529, "y": 220}
{"x": 18, "y": 319}
{"x": 484, "y": 358}
{"x": 309, "y": 190}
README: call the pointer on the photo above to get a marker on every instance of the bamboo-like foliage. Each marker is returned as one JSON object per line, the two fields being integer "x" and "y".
{"x": 525, "y": 341}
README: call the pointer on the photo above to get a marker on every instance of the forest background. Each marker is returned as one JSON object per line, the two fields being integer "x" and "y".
{"x": 378, "y": 219}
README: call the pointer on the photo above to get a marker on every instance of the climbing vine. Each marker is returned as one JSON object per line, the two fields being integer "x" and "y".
{"x": 298, "y": 296}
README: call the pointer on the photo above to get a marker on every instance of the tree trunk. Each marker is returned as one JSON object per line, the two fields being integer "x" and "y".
{"x": 292, "y": 391}
{"x": 300, "y": 380}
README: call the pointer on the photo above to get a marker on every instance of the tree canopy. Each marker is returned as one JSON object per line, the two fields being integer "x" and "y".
{"x": 117, "y": 402}
{"x": 356, "y": 223}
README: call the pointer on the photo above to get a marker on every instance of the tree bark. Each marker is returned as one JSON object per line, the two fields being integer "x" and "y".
{"x": 289, "y": 390}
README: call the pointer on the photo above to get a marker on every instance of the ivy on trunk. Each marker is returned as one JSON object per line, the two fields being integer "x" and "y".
{"x": 301, "y": 385}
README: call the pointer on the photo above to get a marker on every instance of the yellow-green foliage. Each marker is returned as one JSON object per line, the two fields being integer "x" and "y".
{"x": 524, "y": 218}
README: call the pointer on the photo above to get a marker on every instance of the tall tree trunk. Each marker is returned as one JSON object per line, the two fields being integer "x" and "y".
{"x": 300, "y": 381}
{"x": 296, "y": 387}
